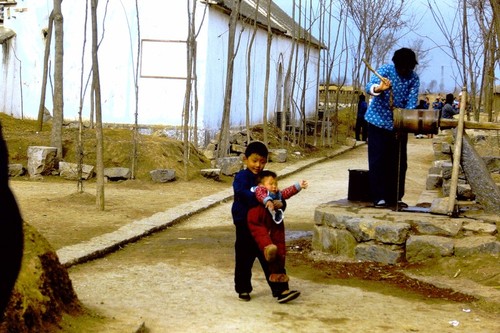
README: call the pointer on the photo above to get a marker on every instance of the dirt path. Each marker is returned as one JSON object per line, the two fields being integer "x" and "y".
{"x": 180, "y": 280}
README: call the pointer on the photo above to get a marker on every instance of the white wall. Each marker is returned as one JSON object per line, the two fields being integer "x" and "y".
{"x": 160, "y": 99}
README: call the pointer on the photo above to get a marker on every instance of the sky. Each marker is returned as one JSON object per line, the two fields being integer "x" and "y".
{"x": 441, "y": 67}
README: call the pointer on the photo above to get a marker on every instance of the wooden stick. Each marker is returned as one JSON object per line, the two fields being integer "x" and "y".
{"x": 371, "y": 69}
{"x": 457, "y": 155}
{"x": 445, "y": 123}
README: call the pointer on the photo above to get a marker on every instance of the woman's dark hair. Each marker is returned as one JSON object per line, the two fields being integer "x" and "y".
{"x": 405, "y": 58}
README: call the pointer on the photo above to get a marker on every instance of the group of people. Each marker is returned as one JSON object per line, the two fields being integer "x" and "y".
{"x": 257, "y": 212}
{"x": 258, "y": 208}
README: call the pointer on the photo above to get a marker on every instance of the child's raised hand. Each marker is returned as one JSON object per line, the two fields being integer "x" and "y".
{"x": 304, "y": 184}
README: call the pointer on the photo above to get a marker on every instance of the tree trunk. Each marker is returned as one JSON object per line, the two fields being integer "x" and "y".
{"x": 268, "y": 68}
{"x": 136, "y": 85}
{"x": 56, "y": 136}
{"x": 96, "y": 91}
{"x": 41, "y": 107}
{"x": 223, "y": 146}
{"x": 189, "y": 71}
{"x": 79, "y": 151}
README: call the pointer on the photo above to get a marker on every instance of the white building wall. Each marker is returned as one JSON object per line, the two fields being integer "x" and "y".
{"x": 160, "y": 99}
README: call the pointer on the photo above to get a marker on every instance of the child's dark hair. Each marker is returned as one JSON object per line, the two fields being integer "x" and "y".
{"x": 264, "y": 174}
{"x": 256, "y": 147}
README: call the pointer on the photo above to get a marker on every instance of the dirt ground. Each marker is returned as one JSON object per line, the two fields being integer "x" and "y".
{"x": 180, "y": 279}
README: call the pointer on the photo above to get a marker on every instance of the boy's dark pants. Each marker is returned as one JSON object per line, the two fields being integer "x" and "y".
{"x": 246, "y": 250}
{"x": 387, "y": 160}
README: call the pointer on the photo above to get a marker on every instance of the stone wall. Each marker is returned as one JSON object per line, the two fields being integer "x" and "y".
{"x": 356, "y": 231}
{"x": 362, "y": 233}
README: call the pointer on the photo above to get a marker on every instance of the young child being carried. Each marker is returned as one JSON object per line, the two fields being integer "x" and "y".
{"x": 267, "y": 227}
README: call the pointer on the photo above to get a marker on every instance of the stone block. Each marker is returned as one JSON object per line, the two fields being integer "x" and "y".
{"x": 41, "y": 160}
{"x": 437, "y": 226}
{"x": 117, "y": 173}
{"x": 162, "y": 175}
{"x": 420, "y": 248}
{"x": 392, "y": 233}
{"x": 278, "y": 155}
{"x": 433, "y": 181}
{"x": 70, "y": 171}
{"x": 476, "y": 227}
{"x": 229, "y": 166}
{"x": 334, "y": 241}
{"x": 16, "y": 170}
{"x": 211, "y": 173}
{"x": 477, "y": 245}
{"x": 386, "y": 254}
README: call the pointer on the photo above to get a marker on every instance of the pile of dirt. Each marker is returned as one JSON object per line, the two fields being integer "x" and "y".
{"x": 43, "y": 291}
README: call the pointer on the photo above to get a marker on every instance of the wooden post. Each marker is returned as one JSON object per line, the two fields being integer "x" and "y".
{"x": 457, "y": 154}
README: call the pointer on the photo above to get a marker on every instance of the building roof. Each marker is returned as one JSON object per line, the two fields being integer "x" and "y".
{"x": 280, "y": 21}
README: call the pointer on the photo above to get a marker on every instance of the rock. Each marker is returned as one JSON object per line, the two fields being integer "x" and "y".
{"x": 433, "y": 181}
{"x": 229, "y": 165}
{"x": 419, "y": 248}
{"x": 211, "y": 173}
{"x": 16, "y": 170}
{"x": 477, "y": 245}
{"x": 70, "y": 171}
{"x": 162, "y": 175}
{"x": 334, "y": 241}
{"x": 278, "y": 155}
{"x": 117, "y": 173}
{"x": 41, "y": 160}
{"x": 386, "y": 254}
{"x": 476, "y": 227}
{"x": 438, "y": 226}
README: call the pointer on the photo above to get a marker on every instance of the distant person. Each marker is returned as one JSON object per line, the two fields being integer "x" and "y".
{"x": 422, "y": 105}
{"x": 437, "y": 104}
{"x": 361, "y": 124}
{"x": 448, "y": 111}
{"x": 387, "y": 159}
{"x": 11, "y": 232}
{"x": 268, "y": 229}
{"x": 245, "y": 247}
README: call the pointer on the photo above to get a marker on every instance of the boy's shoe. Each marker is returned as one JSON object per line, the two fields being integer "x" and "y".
{"x": 245, "y": 297}
{"x": 380, "y": 204}
{"x": 270, "y": 252}
{"x": 288, "y": 296}
{"x": 278, "y": 216}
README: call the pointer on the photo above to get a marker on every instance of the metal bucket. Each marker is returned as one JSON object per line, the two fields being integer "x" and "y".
{"x": 359, "y": 186}
{"x": 417, "y": 121}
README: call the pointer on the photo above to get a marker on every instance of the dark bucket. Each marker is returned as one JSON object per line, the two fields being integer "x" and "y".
{"x": 359, "y": 186}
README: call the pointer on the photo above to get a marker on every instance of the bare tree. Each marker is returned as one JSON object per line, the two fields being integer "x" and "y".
{"x": 79, "y": 150}
{"x": 48, "y": 40}
{"x": 249, "y": 70}
{"x": 223, "y": 144}
{"x": 376, "y": 20}
{"x": 268, "y": 68}
{"x": 190, "y": 46}
{"x": 96, "y": 92}
{"x": 135, "y": 140}
{"x": 56, "y": 135}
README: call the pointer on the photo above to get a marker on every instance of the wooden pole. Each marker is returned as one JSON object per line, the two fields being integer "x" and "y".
{"x": 450, "y": 123}
{"x": 457, "y": 155}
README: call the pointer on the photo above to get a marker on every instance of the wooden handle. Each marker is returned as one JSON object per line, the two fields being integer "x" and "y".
{"x": 371, "y": 69}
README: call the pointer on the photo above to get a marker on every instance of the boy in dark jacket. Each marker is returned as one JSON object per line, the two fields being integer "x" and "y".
{"x": 245, "y": 247}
